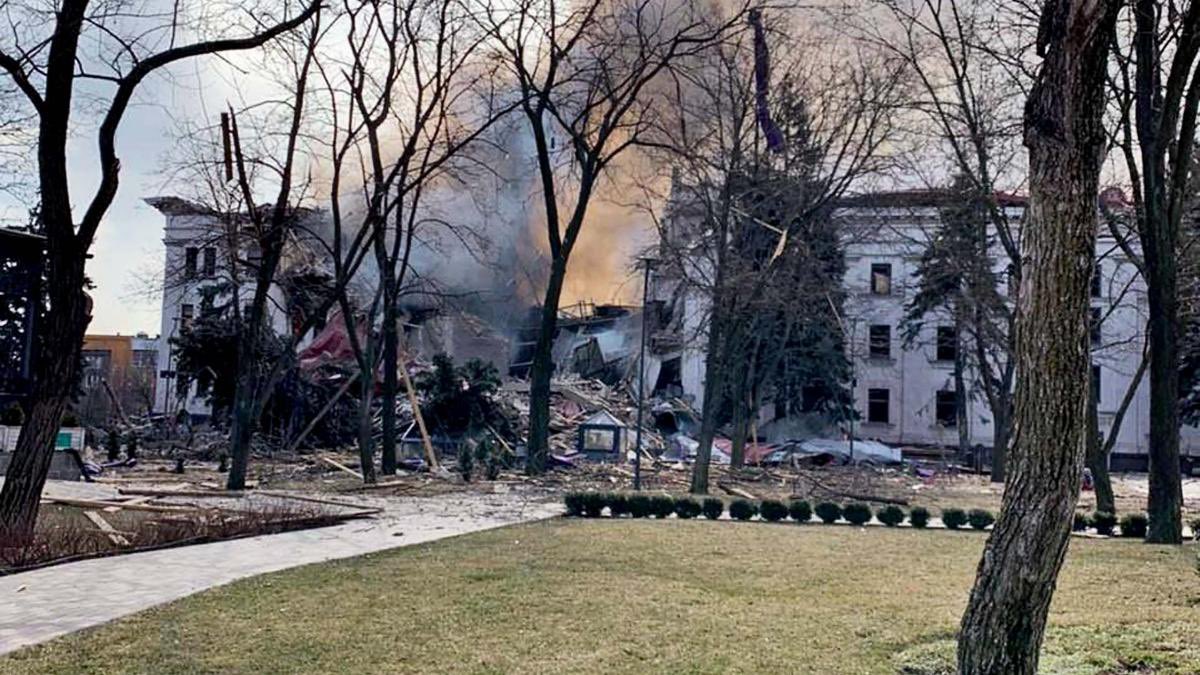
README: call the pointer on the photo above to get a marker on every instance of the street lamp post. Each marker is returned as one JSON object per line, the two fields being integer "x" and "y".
{"x": 647, "y": 264}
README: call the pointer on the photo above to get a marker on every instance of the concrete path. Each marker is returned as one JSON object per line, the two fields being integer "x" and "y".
{"x": 42, "y": 604}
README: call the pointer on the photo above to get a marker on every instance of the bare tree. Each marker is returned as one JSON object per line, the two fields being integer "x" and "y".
{"x": 588, "y": 80}
{"x": 42, "y": 57}
{"x": 1156, "y": 97}
{"x": 965, "y": 61}
{"x": 1005, "y": 620}
{"x": 406, "y": 103}
{"x": 748, "y": 191}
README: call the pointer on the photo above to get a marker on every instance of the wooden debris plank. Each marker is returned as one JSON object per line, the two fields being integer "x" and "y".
{"x": 341, "y": 467}
{"x": 736, "y": 491}
{"x": 113, "y": 536}
{"x": 156, "y": 492}
{"x": 98, "y": 504}
{"x": 320, "y": 500}
{"x": 135, "y": 501}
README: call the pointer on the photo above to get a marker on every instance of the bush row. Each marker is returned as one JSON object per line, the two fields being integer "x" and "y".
{"x": 1133, "y": 525}
{"x": 592, "y": 505}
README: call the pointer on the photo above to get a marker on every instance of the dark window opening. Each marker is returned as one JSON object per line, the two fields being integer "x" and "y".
{"x": 947, "y": 343}
{"x": 190, "y": 261}
{"x": 947, "y": 409}
{"x": 1094, "y": 327}
{"x": 880, "y": 343}
{"x": 1097, "y": 280}
{"x": 881, "y": 279}
{"x": 210, "y": 262}
{"x": 1096, "y": 383}
{"x": 186, "y": 312}
{"x": 878, "y": 401}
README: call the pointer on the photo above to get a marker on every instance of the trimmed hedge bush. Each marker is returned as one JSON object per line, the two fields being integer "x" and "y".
{"x": 1080, "y": 524}
{"x": 1104, "y": 522}
{"x": 772, "y": 510}
{"x": 1134, "y": 525}
{"x": 800, "y": 511}
{"x": 574, "y": 503}
{"x": 919, "y": 517}
{"x": 662, "y": 506}
{"x": 828, "y": 512}
{"x": 741, "y": 509}
{"x": 687, "y": 508}
{"x": 618, "y": 505}
{"x": 593, "y": 504}
{"x": 980, "y": 518}
{"x": 857, "y": 513}
{"x": 954, "y": 518}
{"x": 890, "y": 515}
{"x": 639, "y": 506}
{"x": 712, "y": 508}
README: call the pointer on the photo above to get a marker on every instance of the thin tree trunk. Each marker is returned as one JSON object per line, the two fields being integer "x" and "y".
{"x": 1097, "y": 460}
{"x": 1002, "y": 419}
{"x": 391, "y": 384}
{"x": 1166, "y": 490}
{"x": 1005, "y": 620}
{"x": 541, "y": 371}
{"x": 366, "y": 427}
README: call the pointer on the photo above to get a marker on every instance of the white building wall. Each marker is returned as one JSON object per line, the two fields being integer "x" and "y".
{"x": 913, "y": 375}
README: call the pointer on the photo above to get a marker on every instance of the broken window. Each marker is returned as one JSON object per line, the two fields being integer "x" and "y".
{"x": 878, "y": 401}
{"x": 947, "y": 343}
{"x": 881, "y": 342}
{"x": 1094, "y": 327}
{"x": 881, "y": 278}
{"x": 1097, "y": 280}
{"x": 186, "y": 312}
{"x": 191, "y": 258}
{"x": 210, "y": 262}
{"x": 947, "y": 408}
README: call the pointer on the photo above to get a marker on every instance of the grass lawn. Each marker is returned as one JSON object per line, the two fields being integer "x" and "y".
{"x": 604, "y": 596}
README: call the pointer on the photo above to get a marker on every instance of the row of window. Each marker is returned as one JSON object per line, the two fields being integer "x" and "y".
{"x": 191, "y": 262}
{"x": 881, "y": 279}
{"x": 879, "y": 342}
{"x": 879, "y": 403}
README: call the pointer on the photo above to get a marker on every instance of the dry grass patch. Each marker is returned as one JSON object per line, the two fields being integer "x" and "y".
{"x": 603, "y": 596}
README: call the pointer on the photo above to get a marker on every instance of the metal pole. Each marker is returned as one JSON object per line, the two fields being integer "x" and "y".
{"x": 637, "y": 454}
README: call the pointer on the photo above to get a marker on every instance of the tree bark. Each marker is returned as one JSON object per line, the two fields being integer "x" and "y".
{"x": 542, "y": 370}
{"x": 1005, "y": 620}
{"x": 1165, "y": 501}
{"x": 391, "y": 383}
{"x": 366, "y": 428}
{"x": 1097, "y": 459}
{"x": 1002, "y": 419}
{"x": 55, "y": 372}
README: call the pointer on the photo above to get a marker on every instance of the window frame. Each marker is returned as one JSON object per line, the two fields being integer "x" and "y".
{"x": 873, "y": 400}
{"x": 881, "y": 270}
{"x": 879, "y": 346}
{"x": 942, "y": 343}
{"x": 945, "y": 397}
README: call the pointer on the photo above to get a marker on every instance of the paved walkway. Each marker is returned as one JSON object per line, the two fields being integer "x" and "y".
{"x": 42, "y": 604}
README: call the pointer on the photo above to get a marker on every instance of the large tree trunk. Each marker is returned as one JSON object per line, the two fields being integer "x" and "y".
{"x": 1005, "y": 620}
{"x": 542, "y": 370}
{"x": 1166, "y": 488}
{"x": 55, "y": 372}
{"x": 390, "y": 385}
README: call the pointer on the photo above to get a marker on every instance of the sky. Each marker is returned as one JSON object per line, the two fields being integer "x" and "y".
{"x": 127, "y": 255}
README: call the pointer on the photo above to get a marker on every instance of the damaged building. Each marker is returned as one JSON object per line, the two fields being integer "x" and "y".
{"x": 904, "y": 391}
